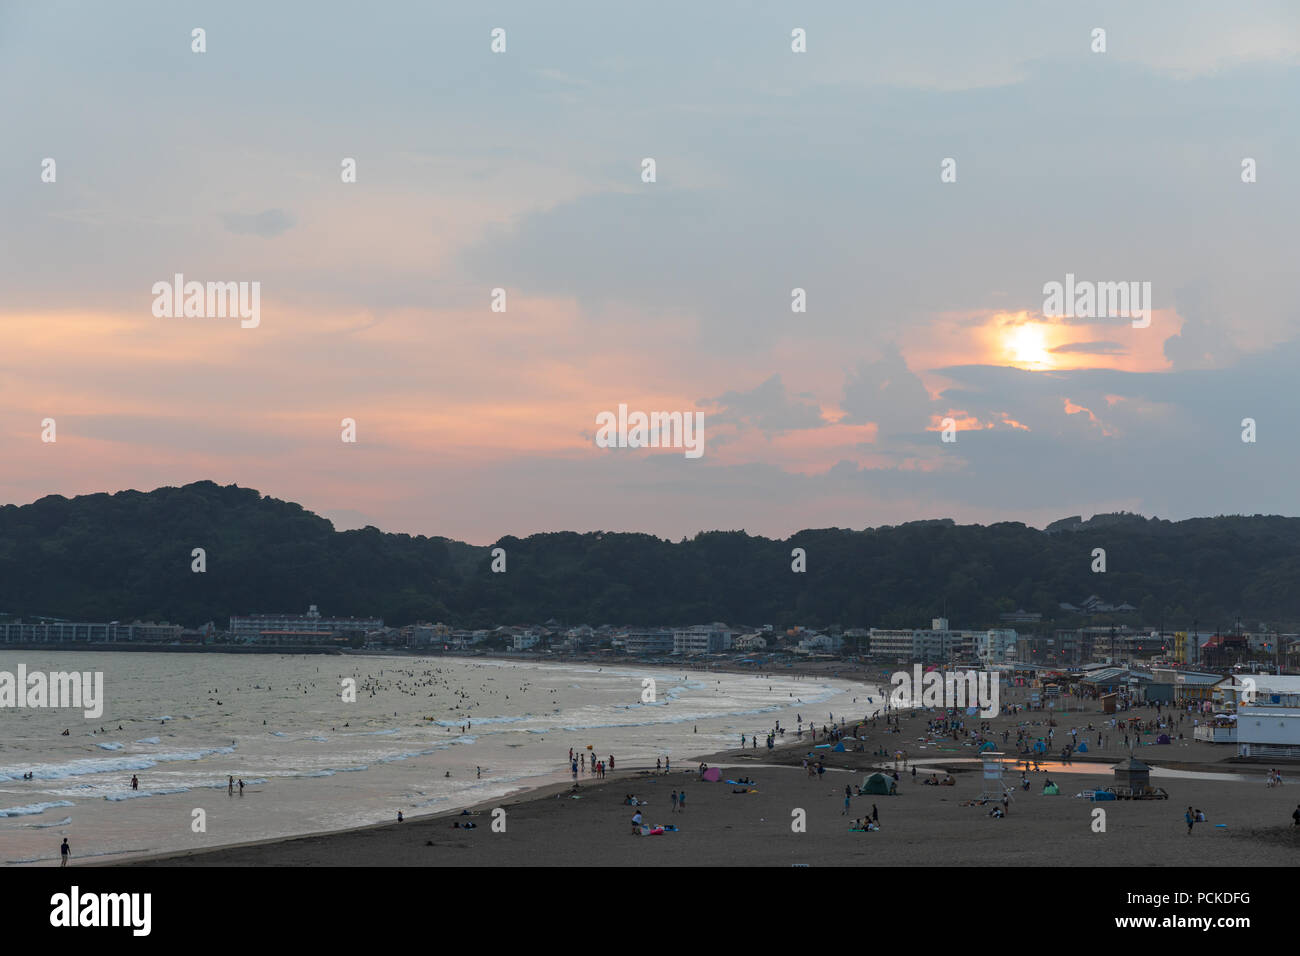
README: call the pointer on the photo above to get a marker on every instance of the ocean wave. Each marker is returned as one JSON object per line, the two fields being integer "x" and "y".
{"x": 149, "y": 740}
{"x": 109, "y": 746}
{"x": 46, "y": 826}
{"x": 34, "y": 808}
{"x": 132, "y": 794}
{"x": 93, "y": 765}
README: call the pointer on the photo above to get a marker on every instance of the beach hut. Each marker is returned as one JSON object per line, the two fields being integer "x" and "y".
{"x": 876, "y": 783}
{"x": 1132, "y": 773}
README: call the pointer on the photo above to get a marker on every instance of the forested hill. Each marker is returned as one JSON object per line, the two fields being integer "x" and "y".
{"x": 128, "y": 555}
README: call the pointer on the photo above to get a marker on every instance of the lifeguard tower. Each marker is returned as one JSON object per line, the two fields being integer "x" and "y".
{"x": 995, "y": 788}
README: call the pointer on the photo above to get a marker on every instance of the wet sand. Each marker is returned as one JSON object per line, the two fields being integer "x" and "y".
{"x": 920, "y": 825}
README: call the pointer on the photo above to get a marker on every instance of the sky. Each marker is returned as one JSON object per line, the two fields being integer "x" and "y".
{"x": 775, "y": 170}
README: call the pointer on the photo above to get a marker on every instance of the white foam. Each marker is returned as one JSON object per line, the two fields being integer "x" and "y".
{"x": 34, "y": 808}
{"x": 132, "y": 794}
{"x": 92, "y": 765}
{"x": 46, "y": 826}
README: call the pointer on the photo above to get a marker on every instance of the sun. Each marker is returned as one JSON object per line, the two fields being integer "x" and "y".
{"x": 1027, "y": 346}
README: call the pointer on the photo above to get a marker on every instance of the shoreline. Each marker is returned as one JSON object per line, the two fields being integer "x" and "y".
{"x": 547, "y": 802}
{"x": 922, "y": 825}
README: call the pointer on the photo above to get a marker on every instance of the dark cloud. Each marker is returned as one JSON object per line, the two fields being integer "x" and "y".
{"x": 767, "y": 407}
{"x": 1090, "y": 348}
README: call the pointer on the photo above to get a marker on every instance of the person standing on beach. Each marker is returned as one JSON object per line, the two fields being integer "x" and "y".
{"x": 1191, "y": 820}
{"x": 230, "y": 786}
{"x": 681, "y": 801}
{"x": 875, "y": 814}
{"x": 611, "y": 761}
{"x": 65, "y": 850}
{"x": 1295, "y": 816}
{"x": 674, "y": 809}
{"x": 241, "y": 787}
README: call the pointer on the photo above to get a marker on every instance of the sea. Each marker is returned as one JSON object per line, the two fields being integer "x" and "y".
{"x": 423, "y": 735}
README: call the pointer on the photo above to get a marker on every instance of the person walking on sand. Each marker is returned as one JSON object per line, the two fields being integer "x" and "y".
{"x": 875, "y": 814}
{"x": 674, "y": 799}
{"x": 1191, "y": 820}
{"x": 241, "y": 787}
{"x": 681, "y": 801}
{"x": 230, "y": 786}
{"x": 65, "y": 850}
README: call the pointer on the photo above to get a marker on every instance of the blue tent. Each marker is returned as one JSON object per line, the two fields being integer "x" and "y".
{"x": 838, "y": 748}
{"x": 1083, "y": 748}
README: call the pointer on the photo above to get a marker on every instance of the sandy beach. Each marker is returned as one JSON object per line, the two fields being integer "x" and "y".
{"x": 1247, "y": 823}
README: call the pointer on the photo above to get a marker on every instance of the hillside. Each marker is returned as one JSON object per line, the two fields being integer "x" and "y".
{"x": 127, "y": 556}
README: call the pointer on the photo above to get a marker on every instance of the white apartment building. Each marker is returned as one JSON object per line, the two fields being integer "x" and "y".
{"x": 937, "y": 645}
{"x": 702, "y": 639}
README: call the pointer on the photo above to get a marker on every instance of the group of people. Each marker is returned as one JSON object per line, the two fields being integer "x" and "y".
{"x": 598, "y": 767}
{"x": 1274, "y": 778}
{"x": 934, "y": 781}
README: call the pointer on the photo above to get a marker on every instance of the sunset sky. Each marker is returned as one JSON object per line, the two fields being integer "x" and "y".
{"x": 775, "y": 170}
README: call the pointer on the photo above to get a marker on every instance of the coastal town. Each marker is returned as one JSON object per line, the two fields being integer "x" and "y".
{"x": 1237, "y": 683}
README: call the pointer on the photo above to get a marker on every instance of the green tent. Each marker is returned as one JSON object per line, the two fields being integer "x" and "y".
{"x": 876, "y": 783}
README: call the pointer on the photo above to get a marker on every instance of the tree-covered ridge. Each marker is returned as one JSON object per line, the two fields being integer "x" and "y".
{"x": 126, "y": 556}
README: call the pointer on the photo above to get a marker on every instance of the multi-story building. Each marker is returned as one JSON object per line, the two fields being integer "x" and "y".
{"x": 995, "y": 646}
{"x": 702, "y": 639}
{"x": 66, "y": 632}
{"x": 306, "y": 628}
{"x": 938, "y": 644}
{"x": 649, "y": 641}
{"x": 526, "y": 640}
